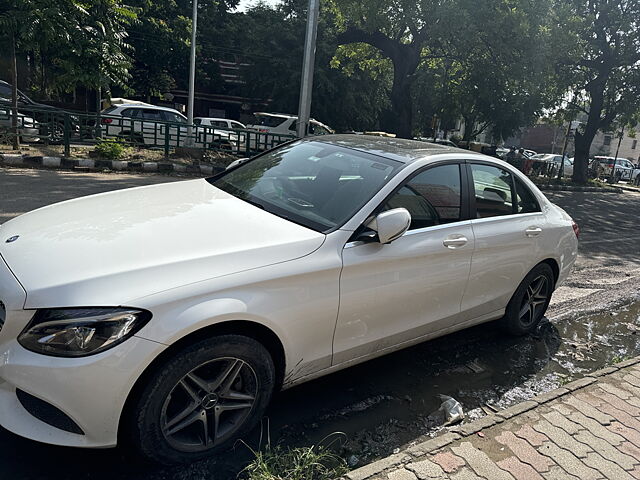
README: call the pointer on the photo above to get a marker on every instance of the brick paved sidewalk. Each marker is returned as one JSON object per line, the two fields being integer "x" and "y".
{"x": 587, "y": 430}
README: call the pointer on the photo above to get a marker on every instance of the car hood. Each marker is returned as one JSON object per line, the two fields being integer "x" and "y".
{"x": 114, "y": 247}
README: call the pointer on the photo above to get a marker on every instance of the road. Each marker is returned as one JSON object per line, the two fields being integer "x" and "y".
{"x": 386, "y": 403}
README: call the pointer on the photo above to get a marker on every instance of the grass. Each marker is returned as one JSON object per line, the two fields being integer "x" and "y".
{"x": 317, "y": 462}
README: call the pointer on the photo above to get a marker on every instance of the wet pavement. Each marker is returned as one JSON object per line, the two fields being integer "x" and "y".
{"x": 386, "y": 403}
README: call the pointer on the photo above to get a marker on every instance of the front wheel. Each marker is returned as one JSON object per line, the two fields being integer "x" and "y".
{"x": 202, "y": 399}
{"x": 530, "y": 301}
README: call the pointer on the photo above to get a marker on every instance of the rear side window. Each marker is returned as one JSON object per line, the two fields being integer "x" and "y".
{"x": 131, "y": 112}
{"x": 493, "y": 187}
{"x": 433, "y": 197}
{"x": 110, "y": 109}
{"x": 153, "y": 115}
{"x": 269, "y": 121}
{"x": 197, "y": 121}
{"x": 527, "y": 202}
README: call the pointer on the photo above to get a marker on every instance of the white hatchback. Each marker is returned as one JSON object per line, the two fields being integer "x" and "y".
{"x": 168, "y": 315}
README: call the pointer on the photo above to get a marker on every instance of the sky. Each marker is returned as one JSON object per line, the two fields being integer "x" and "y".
{"x": 244, "y": 4}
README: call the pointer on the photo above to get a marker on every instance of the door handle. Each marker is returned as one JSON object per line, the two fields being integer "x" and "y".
{"x": 455, "y": 241}
{"x": 533, "y": 231}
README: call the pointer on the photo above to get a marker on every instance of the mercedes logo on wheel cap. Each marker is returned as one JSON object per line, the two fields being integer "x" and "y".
{"x": 12, "y": 239}
{"x": 210, "y": 401}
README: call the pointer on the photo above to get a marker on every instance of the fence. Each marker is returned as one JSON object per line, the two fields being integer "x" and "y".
{"x": 57, "y": 127}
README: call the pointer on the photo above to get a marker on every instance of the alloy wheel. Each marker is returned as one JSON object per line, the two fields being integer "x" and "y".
{"x": 534, "y": 301}
{"x": 209, "y": 404}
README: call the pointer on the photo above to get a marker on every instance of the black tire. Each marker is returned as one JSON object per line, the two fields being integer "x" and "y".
{"x": 150, "y": 429}
{"x": 518, "y": 322}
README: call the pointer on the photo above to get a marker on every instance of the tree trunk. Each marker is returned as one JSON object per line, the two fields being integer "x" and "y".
{"x": 583, "y": 140}
{"x": 405, "y": 59}
{"x": 14, "y": 94}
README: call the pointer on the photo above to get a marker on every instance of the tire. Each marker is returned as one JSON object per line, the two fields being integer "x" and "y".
{"x": 518, "y": 322}
{"x": 173, "y": 420}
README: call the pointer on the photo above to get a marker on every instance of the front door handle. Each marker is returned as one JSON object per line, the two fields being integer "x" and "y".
{"x": 455, "y": 241}
{"x": 533, "y": 231}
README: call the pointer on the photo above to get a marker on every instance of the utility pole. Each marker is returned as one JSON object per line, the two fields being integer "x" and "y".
{"x": 615, "y": 160}
{"x": 564, "y": 150}
{"x": 306, "y": 86}
{"x": 192, "y": 74}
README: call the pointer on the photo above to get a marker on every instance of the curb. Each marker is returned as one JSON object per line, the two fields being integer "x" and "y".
{"x": 98, "y": 165}
{"x": 570, "y": 188}
{"x": 433, "y": 445}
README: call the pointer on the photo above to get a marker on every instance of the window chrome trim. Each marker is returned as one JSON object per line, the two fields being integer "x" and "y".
{"x": 504, "y": 217}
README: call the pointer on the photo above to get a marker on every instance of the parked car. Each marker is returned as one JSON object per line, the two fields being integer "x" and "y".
{"x": 50, "y": 117}
{"x": 218, "y": 122}
{"x": 294, "y": 263}
{"x": 624, "y": 169}
{"x": 28, "y": 128}
{"x": 284, "y": 124}
{"x": 144, "y": 124}
{"x": 438, "y": 141}
{"x": 549, "y": 163}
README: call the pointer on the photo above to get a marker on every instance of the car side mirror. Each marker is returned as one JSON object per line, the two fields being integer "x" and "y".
{"x": 391, "y": 225}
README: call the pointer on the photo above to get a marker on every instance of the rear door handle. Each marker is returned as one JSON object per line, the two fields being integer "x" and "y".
{"x": 533, "y": 231}
{"x": 455, "y": 241}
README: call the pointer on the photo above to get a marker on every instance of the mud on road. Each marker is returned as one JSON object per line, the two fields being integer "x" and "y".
{"x": 388, "y": 402}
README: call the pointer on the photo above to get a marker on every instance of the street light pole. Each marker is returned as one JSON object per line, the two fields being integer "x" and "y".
{"x": 306, "y": 87}
{"x": 192, "y": 73}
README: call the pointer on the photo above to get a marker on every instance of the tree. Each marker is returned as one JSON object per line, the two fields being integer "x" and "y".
{"x": 400, "y": 31}
{"x": 602, "y": 66}
{"x": 271, "y": 46}
{"x": 25, "y": 23}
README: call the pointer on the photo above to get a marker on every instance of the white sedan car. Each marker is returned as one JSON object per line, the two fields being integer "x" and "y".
{"x": 168, "y": 315}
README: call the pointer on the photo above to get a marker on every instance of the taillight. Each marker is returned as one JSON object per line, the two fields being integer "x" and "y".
{"x": 106, "y": 121}
{"x": 263, "y": 130}
{"x": 576, "y": 228}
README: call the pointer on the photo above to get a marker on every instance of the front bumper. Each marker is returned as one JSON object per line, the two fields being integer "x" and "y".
{"x": 91, "y": 391}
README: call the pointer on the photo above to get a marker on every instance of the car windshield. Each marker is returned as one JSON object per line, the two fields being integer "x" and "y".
{"x": 314, "y": 184}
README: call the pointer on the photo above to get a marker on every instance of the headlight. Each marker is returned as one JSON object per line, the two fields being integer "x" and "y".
{"x": 78, "y": 332}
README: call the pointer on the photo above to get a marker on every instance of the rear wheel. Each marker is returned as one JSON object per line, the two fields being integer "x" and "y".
{"x": 530, "y": 301}
{"x": 202, "y": 399}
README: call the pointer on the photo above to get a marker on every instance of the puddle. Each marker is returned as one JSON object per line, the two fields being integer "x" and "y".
{"x": 383, "y": 404}
{"x": 388, "y": 402}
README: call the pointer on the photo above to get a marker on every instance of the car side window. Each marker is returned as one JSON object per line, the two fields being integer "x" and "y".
{"x": 527, "y": 202}
{"x": 130, "y": 112}
{"x": 433, "y": 197}
{"x": 492, "y": 187}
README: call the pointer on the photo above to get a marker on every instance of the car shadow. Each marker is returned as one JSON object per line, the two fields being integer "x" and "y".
{"x": 380, "y": 405}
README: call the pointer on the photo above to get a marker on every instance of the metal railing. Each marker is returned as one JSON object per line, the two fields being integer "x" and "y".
{"x": 57, "y": 127}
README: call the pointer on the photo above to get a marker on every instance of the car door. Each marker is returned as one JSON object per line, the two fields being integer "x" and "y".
{"x": 508, "y": 228}
{"x": 396, "y": 293}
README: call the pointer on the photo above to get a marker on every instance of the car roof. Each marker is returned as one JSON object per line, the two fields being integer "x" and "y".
{"x": 146, "y": 107}
{"x": 290, "y": 116}
{"x": 399, "y": 149}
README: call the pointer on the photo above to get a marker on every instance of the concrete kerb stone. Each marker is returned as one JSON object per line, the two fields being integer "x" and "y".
{"x": 628, "y": 363}
{"x": 433, "y": 444}
{"x": 481, "y": 423}
{"x": 380, "y": 466}
{"x": 578, "y": 384}
{"x": 87, "y": 163}
{"x": 602, "y": 372}
{"x": 517, "y": 409}
{"x": 551, "y": 395}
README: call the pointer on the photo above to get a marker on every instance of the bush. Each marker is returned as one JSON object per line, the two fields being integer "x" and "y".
{"x": 111, "y": 149}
